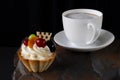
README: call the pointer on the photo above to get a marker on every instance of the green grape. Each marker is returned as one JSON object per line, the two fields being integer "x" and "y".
{"x": 31, "y": 36}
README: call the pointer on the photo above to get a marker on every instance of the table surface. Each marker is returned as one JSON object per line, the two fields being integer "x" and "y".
{"x": 103, "y": 64}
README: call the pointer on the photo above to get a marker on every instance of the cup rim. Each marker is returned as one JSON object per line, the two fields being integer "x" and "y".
{"x": 90, "y": 11}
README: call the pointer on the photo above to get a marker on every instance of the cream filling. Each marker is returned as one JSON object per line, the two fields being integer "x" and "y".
{"x": 35, "y": 53}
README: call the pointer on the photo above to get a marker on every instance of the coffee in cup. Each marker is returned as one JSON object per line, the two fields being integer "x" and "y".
{"x": 82, "y": 26}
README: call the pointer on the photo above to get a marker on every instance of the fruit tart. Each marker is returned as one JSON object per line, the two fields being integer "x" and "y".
{"x": 37, "y": 52}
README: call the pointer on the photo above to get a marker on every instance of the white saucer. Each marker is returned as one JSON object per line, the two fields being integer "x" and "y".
{"x": 105, "y": 39}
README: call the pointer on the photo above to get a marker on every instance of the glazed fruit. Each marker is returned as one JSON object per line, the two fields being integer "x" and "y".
{"x": 31, "y": 41}
{"x": 25, "y": 41}
{"x": 41, "y": 42}
{"x": 31, "y": 36}
{"x": 51, "y": 45}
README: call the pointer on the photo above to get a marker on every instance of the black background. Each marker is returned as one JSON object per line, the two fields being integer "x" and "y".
{"x": 23, "y": 17}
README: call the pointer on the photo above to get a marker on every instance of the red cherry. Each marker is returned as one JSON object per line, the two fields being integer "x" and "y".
{"x": 25, "y": 41}
{"x": 41, "y": 42}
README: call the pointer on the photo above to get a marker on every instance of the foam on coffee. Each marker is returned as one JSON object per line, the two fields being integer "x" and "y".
{"x": 81, "y": 15}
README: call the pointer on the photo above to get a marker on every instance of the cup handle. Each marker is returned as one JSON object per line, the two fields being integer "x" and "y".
{"x": 91, "y": 26}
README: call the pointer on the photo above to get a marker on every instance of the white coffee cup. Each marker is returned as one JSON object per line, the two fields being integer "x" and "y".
{"x": 82, "y": 26}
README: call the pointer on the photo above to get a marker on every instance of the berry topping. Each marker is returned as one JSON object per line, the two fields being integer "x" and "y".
{"x": 25, "y": 41}
{"x": 51, "y": 45}
{"x": 41, "y": 42}
{"x": 31, "y": 36}
{"x": 31, "y": 41}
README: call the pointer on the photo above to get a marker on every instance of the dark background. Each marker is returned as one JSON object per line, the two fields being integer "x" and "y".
{"x": 23, "y": 17}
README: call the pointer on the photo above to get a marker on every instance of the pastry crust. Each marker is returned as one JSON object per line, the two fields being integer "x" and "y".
{"x": 37, "y": 65}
